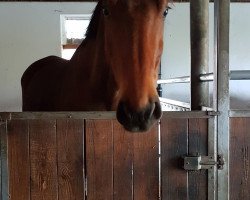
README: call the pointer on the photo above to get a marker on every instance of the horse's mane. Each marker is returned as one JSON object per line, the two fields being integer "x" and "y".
{"x": 93, "y": 25}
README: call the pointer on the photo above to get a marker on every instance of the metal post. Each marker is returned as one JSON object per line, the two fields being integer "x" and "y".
{"x": 221, "y": 90}
{"x": 159, "y": 87}
{"x": 199, "y": 12}
{"x": 199, "y": 19}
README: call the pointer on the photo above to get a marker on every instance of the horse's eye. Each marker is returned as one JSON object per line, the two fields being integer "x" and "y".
{"x": 166, "y": 11}
{"x": 105, "y": 11}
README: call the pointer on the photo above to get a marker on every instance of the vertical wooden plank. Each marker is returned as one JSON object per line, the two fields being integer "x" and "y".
{"x": 240, "y": 159}
{"x": 146, "y": 165}
{"x": 3, "y": 160}
{"x": 198, "y": 145}
{"x": 43, "y": 160}
{"x": 2, "y": 130}
{"x": 123, "y": 159}
{"x": 70, "y": 159}
{"x": 18, "y": 160}
{"x": 99, "y": 159}
{"x": 173, "y": 148}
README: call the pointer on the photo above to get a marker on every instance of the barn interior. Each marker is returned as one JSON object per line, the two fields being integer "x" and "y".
{"x": 195, "y": 152}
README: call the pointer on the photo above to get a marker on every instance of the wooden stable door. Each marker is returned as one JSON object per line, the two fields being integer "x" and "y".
{"x": 74, "y": 159}
{"x": 67, "y": 159}
{"x": 240, "y": 158}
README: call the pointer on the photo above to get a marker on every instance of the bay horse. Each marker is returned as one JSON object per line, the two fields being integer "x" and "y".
{"x": 114, "y": 68}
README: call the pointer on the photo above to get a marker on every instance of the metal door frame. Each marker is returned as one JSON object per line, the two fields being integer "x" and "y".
{"x": 218, "y": 127}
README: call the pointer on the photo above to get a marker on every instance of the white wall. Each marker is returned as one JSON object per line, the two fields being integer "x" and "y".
{"x": 176, "y": 57}
{"x": 240, "y": 53}
{"x": 30, "y": 31}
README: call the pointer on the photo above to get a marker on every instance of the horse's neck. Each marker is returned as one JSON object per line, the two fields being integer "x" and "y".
{"x": 91, "y": 69}
{"x": 90, "y": 65}
{"x": 89, "y": 58}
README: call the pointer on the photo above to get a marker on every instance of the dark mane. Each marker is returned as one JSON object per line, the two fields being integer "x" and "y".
{"x": 93, "y": 25}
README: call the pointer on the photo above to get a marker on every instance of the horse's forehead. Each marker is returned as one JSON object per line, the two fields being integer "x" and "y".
{"x": 136, "y": 3}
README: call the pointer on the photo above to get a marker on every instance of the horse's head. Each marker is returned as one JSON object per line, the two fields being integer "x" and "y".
{"x": 133, "y": 31}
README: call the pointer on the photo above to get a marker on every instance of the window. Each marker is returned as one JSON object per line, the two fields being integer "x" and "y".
{"x": 73, "y": 29}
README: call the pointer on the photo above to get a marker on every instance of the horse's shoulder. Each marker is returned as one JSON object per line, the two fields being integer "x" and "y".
{"x": 39, "y": 65}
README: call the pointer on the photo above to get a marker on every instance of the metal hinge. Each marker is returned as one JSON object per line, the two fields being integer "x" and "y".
{"x": 213, "y": 113}
{"x": 203, "y": 162}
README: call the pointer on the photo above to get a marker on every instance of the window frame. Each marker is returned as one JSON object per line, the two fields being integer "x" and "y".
{"x": 64, "y": 17}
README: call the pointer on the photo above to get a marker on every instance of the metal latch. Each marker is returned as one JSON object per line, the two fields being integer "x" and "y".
{"x": 202, "y": 162}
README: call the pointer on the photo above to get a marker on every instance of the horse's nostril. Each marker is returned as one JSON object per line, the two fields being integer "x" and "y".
{"x": 153, "y": 111}
{"x": 149, "y": 111}
{"x": 157, "y": 111}
{"x": 142, "y": 120}
{"x": 121, "y": 113}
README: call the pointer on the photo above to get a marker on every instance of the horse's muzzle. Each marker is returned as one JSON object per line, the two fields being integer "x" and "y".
{"x": 138, "y": 121}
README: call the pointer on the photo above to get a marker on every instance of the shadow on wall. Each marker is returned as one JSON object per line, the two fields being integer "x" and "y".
{"x": 237, "y": 103}
{"x": 12, "y": 105}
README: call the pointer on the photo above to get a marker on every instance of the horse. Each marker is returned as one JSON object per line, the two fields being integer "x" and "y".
{"x": 115, "y": 68}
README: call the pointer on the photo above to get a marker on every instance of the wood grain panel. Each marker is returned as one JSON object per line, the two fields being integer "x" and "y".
{"x": 3, "y": 161}
{"x": 70, "y": 159}
{"x": 173, "y": 148}
{"x": 18, "y": 160}
{"x": 240, "y": 159}
{"x": 43, "y": 160}
{"x": 2, "y": 132}
{"x": 99, "y": 159}
{"x": 198, "y": 145}
{"x": 146, "y": 165}
{"x": 123, "y": 160}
